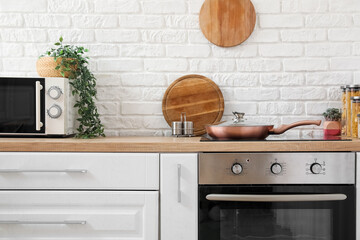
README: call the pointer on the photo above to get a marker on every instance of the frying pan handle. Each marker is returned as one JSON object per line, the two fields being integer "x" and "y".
{"x": 283, "y": 128}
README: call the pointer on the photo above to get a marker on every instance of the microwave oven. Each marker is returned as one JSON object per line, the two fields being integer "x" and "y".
{"x": 36, "y": 107}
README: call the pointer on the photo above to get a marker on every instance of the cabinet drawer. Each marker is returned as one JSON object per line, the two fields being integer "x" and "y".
{"x": 79, "y": 171}
{"x": 77, "y": 215}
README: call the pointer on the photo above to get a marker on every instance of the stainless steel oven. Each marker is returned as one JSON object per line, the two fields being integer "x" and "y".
{"x": 277, "y": 196}
{"x": 36, "y": 106}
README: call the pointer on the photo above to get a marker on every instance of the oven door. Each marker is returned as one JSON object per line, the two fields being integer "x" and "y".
{"x": 22, "y": 104}
{"x": 277, "y": 212}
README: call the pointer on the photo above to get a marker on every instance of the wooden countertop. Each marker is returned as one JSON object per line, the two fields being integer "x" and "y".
{"x": 169, "y": 144}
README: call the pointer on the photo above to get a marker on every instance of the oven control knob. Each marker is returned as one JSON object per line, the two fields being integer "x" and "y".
{"x": 54, "y": 111}
{"x": 316, "y": 168}
{"x": 276, "y": 168}
{"x": 54, "y": 92}
{"x": 236, "y": 168}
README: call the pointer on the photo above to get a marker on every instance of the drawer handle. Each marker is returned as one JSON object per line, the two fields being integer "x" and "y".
{"x": 44, "y": 222}
{"x": 43, "y": 171}
{"x": 179, "y": 183}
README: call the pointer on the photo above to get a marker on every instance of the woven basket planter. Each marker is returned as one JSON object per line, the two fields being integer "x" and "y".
{"x": 45, "y": 67}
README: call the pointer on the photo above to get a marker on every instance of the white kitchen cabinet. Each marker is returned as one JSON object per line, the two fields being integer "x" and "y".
{"x": 79, "y": 215}
{"x": 78, "y": 196}
{"x": 178, "y": 196}
{"x": 120, "y": 171}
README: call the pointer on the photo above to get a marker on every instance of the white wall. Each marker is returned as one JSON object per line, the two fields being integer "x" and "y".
{"x": 289, "y": 69}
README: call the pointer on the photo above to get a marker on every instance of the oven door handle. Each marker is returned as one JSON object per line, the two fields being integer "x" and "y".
{"x": 276, "y": 198}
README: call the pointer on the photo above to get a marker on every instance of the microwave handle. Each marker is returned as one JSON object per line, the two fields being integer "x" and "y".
{"x": 38, "y": 88}
{"x": 276, "y": 198}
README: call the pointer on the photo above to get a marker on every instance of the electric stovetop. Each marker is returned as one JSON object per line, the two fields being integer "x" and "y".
{"x": 207, "y": 138}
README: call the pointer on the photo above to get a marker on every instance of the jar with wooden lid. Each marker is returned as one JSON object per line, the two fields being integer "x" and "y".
{"x": 355, "y": 110}
{"x": 343, "y": 110}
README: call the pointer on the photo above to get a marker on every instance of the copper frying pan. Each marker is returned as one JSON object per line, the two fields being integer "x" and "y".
{"x": 259, "y": 132}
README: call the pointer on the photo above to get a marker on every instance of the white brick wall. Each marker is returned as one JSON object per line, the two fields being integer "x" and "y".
{"x": 289, "y": 69}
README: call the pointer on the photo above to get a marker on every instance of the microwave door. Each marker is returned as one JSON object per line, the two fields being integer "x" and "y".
{"x": 21, "y": 106}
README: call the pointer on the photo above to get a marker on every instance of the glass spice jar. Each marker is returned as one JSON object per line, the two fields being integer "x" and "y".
{"x": 348, "y": 111}
{"x": 343, "y": 111}
{"x": 351, "y": 91}
{"x": 358, "y": 118}
{"x": 355, "y": 110}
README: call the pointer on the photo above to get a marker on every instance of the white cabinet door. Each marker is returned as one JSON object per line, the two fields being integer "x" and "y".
{"x": 79, "y": 215}
{"x": 121, "y": 171}
{"x": 178, "y": 196}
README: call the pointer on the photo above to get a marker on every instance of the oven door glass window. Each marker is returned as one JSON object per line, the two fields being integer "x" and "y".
{"x": 17, "y": 105}
{"x": 276, "y": 224}
{"x": 289, "y": 220}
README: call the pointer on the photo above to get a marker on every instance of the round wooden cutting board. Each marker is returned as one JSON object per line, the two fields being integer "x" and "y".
{"x": 197, "y": 96}
{"x": 227, "y": 23}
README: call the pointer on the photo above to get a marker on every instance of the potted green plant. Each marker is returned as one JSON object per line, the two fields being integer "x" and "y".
{"x": 69, "y": 61}
{"x": 332, "y": 124}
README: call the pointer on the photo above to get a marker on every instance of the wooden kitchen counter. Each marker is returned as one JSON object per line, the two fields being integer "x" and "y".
{"x": 169, "y": 144}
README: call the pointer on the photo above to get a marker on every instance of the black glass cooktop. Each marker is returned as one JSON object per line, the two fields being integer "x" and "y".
{"x": 207, "y": 138}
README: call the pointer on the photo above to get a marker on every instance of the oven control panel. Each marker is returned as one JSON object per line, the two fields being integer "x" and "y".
{"x": 277, "y": 168}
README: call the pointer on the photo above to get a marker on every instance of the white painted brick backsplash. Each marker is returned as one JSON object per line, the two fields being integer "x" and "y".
{"x": 23, "y": 35}
{"x": 204, "y": 65}
{"x": 141, "y": 108}
{"x": 304, "y": 6}
{"x": 281, "y": 21}
{"x": 240, "y": 51}
{"x": 349, "y": 34}
{"x": 282, "y": 79}
{"x": 249, "y": 108}
{"x": 117, "y": 36}
{"x": 262, "y": 94}
{"x": 305, "y": 93}
{"x": 146, "y": 79}
{"x": 357, "y": 20}
{"x": 264, "y": 36}
{"x": 140, "y": 21}
{"x": 166, "y": 65}
{"x": 11, "y": 20}
{"x": 73, "y": 35}
{"x": 344, "y": 6}
{"x": 182, "y": 21}
{"x": 265, "y": 6}
{"x": 317, "y": 108}
{"x": 304, "y": 35}
{"x": 140, "y": 50}
{"x": 306, "y": 64}
{"x": 164, "y": 36}
{"x": 258, "y": 65}
{"x": 50, "y": 21}
{"x": 23, "y": 6}
{"x": 123, "y": 65}
{"x": 70, "y": 6}
{"x": 281, "y": 108}
{"x": 326, "y": 20}
{"x": 117, "y": 6}
{"x": 95, "y": 21}
{"x": 11, "y": 50}
{"x": 281, "y": 50}
{"x": 188, "y": 51}
{"x": 345, "y": 63}
{"x": 327, "y": 49}
{"x": 326, "y": 78}
{"x": 289, "y": 69}
{"x": 164, "y": 7}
